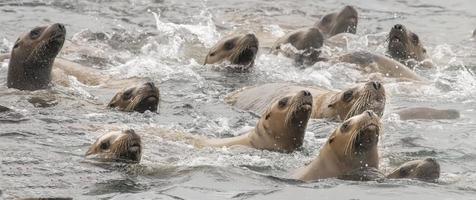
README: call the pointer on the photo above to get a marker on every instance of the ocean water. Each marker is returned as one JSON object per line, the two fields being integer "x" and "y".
{"x": 42, "y": 148}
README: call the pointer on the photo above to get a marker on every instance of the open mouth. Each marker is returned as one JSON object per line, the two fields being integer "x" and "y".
{"x": 367, "y": 137}
{"x": 134, "y": 147}
{"x": 306, "y": 106}
{"x": 148, "y": 103}
{"x": 247, "y": 55}
{"x": 396, "y": 36}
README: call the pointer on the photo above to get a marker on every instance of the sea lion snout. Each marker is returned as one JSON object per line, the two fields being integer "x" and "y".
{"x": 398, "y": 27}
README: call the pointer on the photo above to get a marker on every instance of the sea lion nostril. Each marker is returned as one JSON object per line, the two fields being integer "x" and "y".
{"x": 369, "y": 113}
{"x": 376, "y": 85}
{"x": 306, "y": 93}
{"x": 398, "y": 26}
{"x": 130, "y": 131}
{"x": 60, "y": 26}
{"x": 150, "y": 84}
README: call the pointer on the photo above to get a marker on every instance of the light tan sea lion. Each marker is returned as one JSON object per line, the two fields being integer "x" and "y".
{"x": 281, "y": 128}
{"x": 427, "y": 113}
{"x": 302, "y": 45}
{"x": 373, "y": 63}
{"x": 120, "y": 146}
{"x": 353, "y": 145}
{"x": 138, "y": 98}
{"x": 425, "y": 170}
{"x": 238, "y": 50}
{"x": 334, "y": 105}
{"x": 32, "y": 57}
{"x": 406, "y": 47}
{"x": 344, "y": 21}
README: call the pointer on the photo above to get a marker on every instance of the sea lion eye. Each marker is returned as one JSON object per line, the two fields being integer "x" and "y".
{"x": 424, "y": 50}
{"x": 127, "y": 94}
{"x": 347, "y": 96}
{"x": 35, "y": 33}
{"x": 104, "y": 145}
{"x": 283, "y": 102}
{"x": 229, "y": 45}
{"x": 212, "y": 54}
{"x": 344, "y": 126}
{"x": 326, "y": 19}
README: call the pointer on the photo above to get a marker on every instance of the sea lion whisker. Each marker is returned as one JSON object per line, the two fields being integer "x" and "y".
{"x": 136, "y": 100}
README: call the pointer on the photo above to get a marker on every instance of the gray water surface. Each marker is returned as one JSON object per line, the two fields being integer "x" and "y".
{"x": 42, "y": 148}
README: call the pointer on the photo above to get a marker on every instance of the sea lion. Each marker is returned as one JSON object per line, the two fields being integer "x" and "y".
{"x": 238, "y": 50}
{"x": 334, "y": 23}
{"x": 427, "y": 113}
{"x": 33, "y": 63}
{"x": 353, "y": 145}
{"x": 138, "y": 98}
{"x": 281, "y": 128}
{"x": 406, "y": 47}
{"x": 32, "y": 57}
{"x": 120, "y": 146}
{"x": 334, "y": 105}
{"x": 425, "y": 170}
{"x": 373, "y": 63}
{"x": 302, "y": 45}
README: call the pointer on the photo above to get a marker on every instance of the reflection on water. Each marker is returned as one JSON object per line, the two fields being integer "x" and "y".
{"x": 45, "y": 135}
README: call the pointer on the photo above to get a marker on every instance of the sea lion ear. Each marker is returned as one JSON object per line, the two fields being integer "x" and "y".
{"x": 206, "y": 59}
{"x": 331, "y": 139}
{"x": 333, "y": 101}
{"x": 267, "y": 116}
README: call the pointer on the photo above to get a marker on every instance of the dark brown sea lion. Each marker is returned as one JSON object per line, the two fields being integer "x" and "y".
{"x": 34, "y": 65}
{"x": 302, "y": 45}
{"x": 405, "y": 46}
{"x": 427, "y": 113}
{"x": 238, "y": 50}
{"x": 281, "y": 128}
{"x": 138, "y": 98}
{"x": 120, "y": 146}
{"x": 353, "y": 145}
{"x": 334, "y": 23}
{"x": 425, "y": 170}
{"x": 334, "y": 105}
{"x": 32, "y": 57}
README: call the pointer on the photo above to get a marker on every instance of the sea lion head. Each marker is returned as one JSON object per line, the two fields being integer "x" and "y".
{"x": 238, "y": 50}
{"x": 137, "y": 98}
{"x": 404, "y": 44}
{"x": 426, "y": 170}
{"x": 33, "y": 55}
{"x": 355, "y": 100}
{"x": 344, "y": 21}
{"x": 123, "y": 146}
{"x": 354, "y": 142}
{"x": 307, "y": 43}
{"x": 285, "y": 121}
